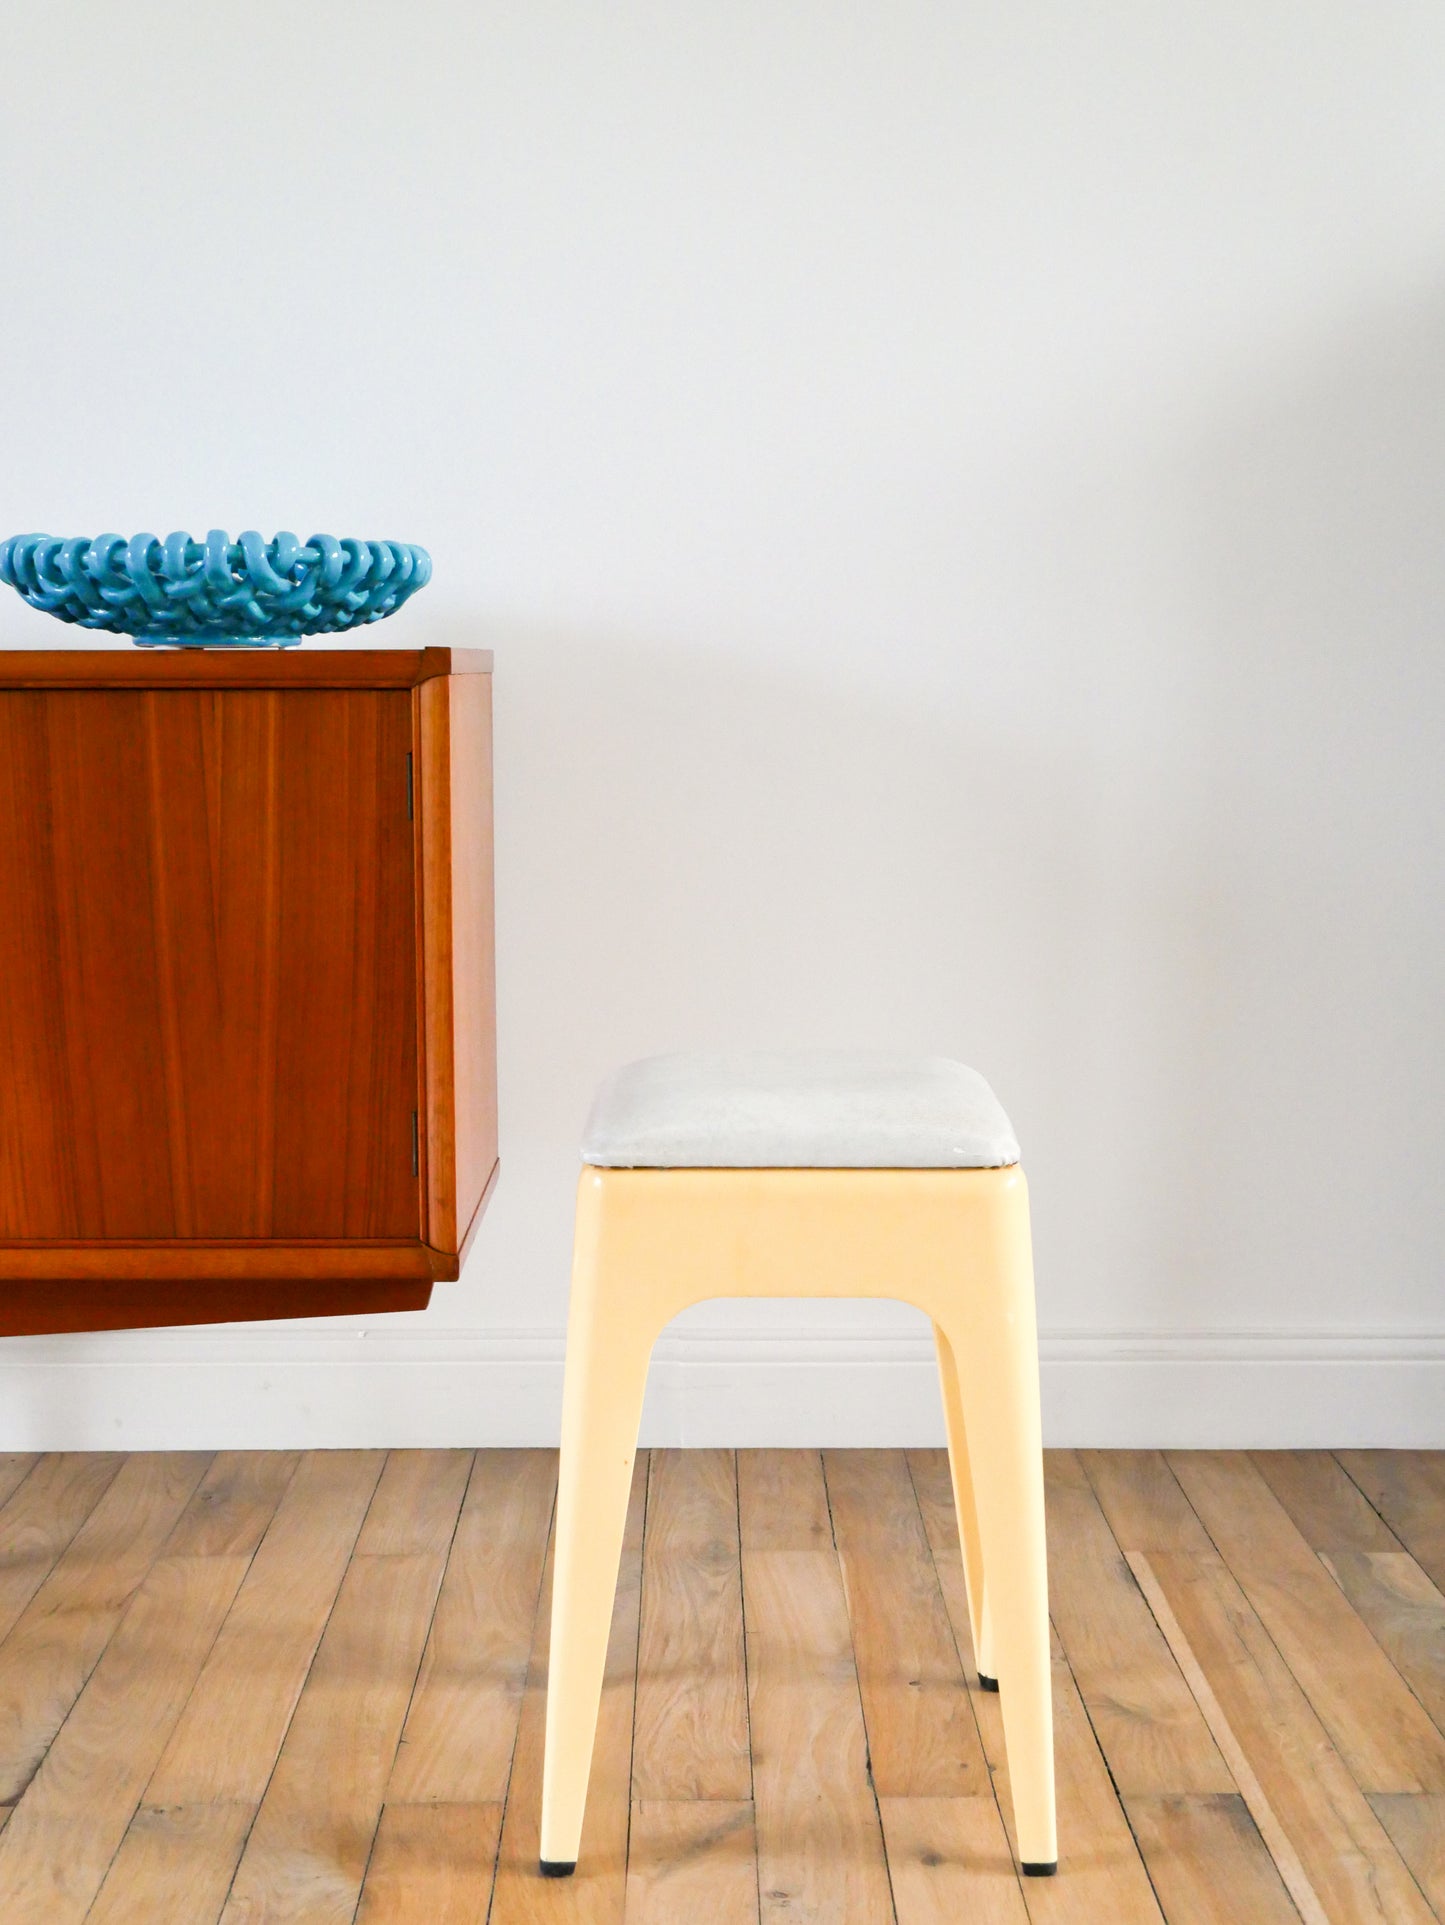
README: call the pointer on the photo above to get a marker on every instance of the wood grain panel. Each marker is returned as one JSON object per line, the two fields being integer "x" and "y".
{"x": 454, "y": 837}
{"x": 346, "y": 1028}
{"x": 691, "y": 1738}
{"x": 474, "y": 1018}
{"x": 207, "y": 945}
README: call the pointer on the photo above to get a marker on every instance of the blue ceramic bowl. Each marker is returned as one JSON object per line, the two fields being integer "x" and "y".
{"x": 193, "y": 594}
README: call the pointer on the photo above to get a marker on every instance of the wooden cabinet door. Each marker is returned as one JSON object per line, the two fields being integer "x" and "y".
{"x": 208, "y": 1009}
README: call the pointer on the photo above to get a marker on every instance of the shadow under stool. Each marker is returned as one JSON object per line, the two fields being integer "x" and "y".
{"x": 838, "y": 1174}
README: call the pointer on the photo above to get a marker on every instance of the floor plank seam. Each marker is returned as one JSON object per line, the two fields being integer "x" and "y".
{"x": 1436, "y": 1724}
{"x": 507, "y": 1788}
{"x": 301, "y": 1693}
{"x": 1277, "y": 1840}
{"x": 121, "y": 1617}
{"x": 842, "y": 1564}
{"x": 636, "y": 1661}
{"x": 411, "y": 1694}
{"x": 747, "y": 1694}
{"x": 1345, "y": 1471}
{"x": 1139, "y": 1850}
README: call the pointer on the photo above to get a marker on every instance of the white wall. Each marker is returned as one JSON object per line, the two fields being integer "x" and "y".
{"x": 958, "y": 496}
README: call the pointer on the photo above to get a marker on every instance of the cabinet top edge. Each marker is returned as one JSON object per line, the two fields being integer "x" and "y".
{"x": 31, "y": 668}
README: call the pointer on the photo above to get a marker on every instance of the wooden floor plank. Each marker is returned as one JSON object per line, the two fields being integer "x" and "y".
{"x": 55, "y": 1852}
{"x": 431, "y": 1865}
{"x": 41, "y": 1517}
{"x": 417, "y": 1504}
{"x": 595, "y": 1894}
{"x": 1417, "y": 1830}
{"x": 162, "y": 1622}
{"x": 1141, "y": 1498}
{"x": 693, "y": 1861}
{"x": 922, "y": 1738}
{"x": 691, "y": 1737}
{"x": 1406, "y": 1614}
{"x": 462, "y": 1726}
{"x": 59, "y": 1637}
{"x": 1376, "y": 1722}
{"x": 1332, "y": 1852}
{"x": 307, "y": 1852}
{"x": 820, "y": 1844}
{"x": 1407, "y": 1488}
{"x": 1330, "y": 1511}
{"x": 949, "y": 1859}
{"x": 233, "y": 1504}
{"x": 1208, "y": 1862}
{"x": 1143, "y": 1713}
{"x": 15, "y": 1467}
{"x": 174, "y": 1866}
{"x": 787, "y": 1500}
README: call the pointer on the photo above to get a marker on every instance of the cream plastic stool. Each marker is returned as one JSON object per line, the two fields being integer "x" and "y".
{"x": 816, "y": 1175}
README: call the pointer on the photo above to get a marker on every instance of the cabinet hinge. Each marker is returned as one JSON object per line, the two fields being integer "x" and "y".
{"x": 409, "y": 788}
{"x": 415, "y": 1147}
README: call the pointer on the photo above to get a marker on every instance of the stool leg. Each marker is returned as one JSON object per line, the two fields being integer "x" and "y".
{"x": 993, "y": 1336}
{"x": 608, "y": 1347}
{"x": 966, "y": 1512}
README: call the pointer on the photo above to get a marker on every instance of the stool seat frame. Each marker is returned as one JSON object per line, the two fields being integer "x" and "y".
{"x": 956, "y": 1244}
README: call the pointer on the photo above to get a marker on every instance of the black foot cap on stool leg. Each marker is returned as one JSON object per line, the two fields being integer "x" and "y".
{"x": 1040, "y": 1871}
{"x": 988, "y": 1684}
{"x": 555, "y": 1868}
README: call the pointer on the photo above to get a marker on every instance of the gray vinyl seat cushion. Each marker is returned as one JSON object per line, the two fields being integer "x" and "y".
{"x": 813, "y": 1110}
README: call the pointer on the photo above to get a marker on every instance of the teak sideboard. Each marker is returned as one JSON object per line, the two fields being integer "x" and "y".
{"x": 247, "y": 1003}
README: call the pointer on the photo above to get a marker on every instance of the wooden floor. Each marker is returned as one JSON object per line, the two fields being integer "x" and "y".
{"x": 310, "y": 1688}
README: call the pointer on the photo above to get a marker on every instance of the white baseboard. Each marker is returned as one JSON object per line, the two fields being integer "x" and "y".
{"x": 313, "y": 1387}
